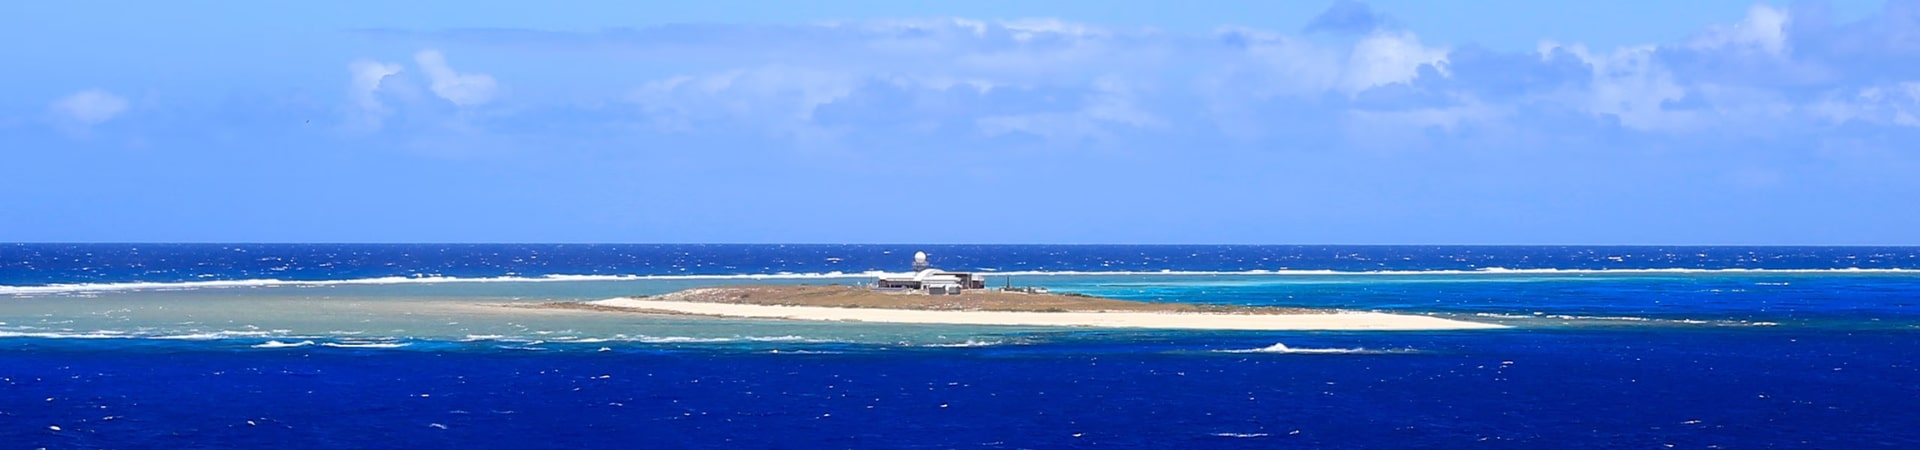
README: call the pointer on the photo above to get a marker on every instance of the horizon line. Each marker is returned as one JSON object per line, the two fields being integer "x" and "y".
{"x": 951, "y": 244}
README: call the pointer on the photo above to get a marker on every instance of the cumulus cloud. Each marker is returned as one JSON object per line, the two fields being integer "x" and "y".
{"x": 90, "y": 107}
{"x": 366, "y": 78}
{"x": 1349, "y": 73}
{"x": 464, "y": 89}
{"x": 1763, "y": 31}
{"x": 1390, "y": 57}
{"x": 1628, "y": 84}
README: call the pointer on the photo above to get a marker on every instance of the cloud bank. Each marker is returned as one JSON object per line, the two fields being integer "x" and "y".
{"x": 1351, "y": 76}
{"x": 1779, "y": 125}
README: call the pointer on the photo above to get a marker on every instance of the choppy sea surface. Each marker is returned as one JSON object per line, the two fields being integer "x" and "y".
{"x": 335, "y": 345}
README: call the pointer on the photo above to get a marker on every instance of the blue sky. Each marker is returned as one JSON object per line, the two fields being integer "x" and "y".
{"x": 1410, "y": 122}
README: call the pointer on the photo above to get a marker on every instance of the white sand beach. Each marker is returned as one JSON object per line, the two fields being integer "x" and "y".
{"x": 1101, "y": 319}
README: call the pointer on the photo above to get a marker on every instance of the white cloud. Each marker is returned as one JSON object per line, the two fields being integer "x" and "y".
{"x": 464, "y": 89}
{"x": 1764, "y": 29}
{"x": 1895, "y": 104}
{"x": 1387, "y": 57}
{"x": 1765, "y": 75}
{"x": 365, "y": 85}
{"x": 364, "y": 88}
{"x": 90, "y": 107}
{"x": 1276, "y": 64}
{"x": 1629, "y": 84}
{"x": 1025, "y": 30}
{"x": 779, "y": 99}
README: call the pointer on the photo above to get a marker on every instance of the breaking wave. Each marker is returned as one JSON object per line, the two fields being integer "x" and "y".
{"x": 365, "y": 344}
{"x": 278, "y": 344}
{"x": 1284, "y": 349}
{"x": 216, "y": 335}
{"x": 269, "y": 282}
{"x": 967, "y": 344}
{"x": 259, "y": 283}
{"x": 102, "y": 334}
{"x": 1636, "y": 319}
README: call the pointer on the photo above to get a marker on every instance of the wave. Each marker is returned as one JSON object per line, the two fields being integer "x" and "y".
{"x": 1283, "y": 348}
{"x": 102, "y": 334}
{"x": 274, "y": 282}
{"x": 25, "y": 290}
{"x": 278, "y": 344}
{"x": 209, "y": 336}
{"x": 1679, "y": 321}
{"x": 286, "y": 339}
{"x": 969, "y": 343}
{"x": 678, "y": 340}
{"x": 804, "y": 352}
{"x": 113, "y": 334}
{"x": 787, "y": 338}
{"x": 645, "y": 339}
{"x": 365, "y": 344}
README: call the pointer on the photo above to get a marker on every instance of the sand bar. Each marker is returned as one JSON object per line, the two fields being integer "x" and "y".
{"x": 1296, "y": 321}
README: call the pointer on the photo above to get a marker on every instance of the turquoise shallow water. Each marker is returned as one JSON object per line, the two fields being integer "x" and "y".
{"x": 477, "y": 311}
{"x": 208, "y": 353}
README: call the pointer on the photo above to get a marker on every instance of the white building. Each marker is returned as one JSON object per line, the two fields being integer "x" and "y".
{"x": 931, "y": 280}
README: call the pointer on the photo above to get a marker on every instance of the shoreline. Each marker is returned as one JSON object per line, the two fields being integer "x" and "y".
{"x": 1171, "y": 320}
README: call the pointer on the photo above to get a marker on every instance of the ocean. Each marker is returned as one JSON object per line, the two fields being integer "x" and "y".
{"x": 381, "y": 346}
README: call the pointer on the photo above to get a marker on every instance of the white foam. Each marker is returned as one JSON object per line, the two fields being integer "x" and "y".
{"x": 1682, "y": 321}
{"x": 1569, "y": 317}
{"x": 270, "y": 282}
{"x": 679, "y": 340}
{"x": 278, "y": 344}
{"x": 366, "y": 344}
{"x": 1283, "y": 348}
{"x": 787, "y": 338}
{"x": 102, "y": 334}
{"x": 968, "y": 343}
{"x": 255, "y": 283}
{"x": 212, "y": 336}
{"x": 1241, "y": 435}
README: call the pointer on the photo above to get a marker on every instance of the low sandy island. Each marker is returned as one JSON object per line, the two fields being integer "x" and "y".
{"x": 984, "y": 307}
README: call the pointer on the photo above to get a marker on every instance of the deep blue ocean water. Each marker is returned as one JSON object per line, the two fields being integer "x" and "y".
{"x": 156, "y": 345}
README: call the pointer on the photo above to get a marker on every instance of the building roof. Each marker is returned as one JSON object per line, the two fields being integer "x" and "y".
{"x": 931, "y": 275}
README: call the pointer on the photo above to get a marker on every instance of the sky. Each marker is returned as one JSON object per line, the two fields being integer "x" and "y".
{"x": 1123, "y": 122}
